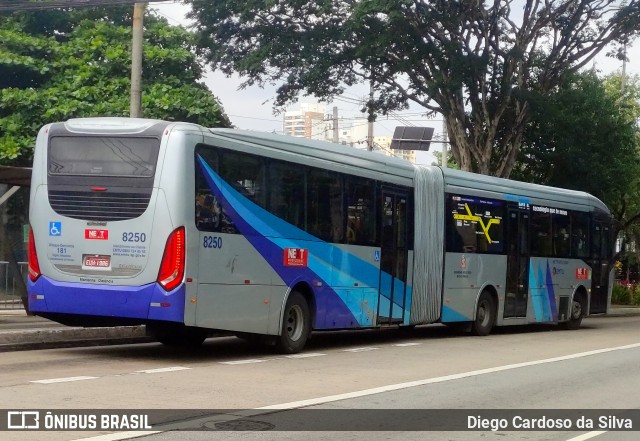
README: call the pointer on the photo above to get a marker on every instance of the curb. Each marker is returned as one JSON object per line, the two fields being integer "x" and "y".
{"x": 623, "y": 312}
{"x": 71, "y": 337}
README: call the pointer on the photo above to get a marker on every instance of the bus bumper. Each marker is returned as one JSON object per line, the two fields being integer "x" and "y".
{"x": 146, "y": 302}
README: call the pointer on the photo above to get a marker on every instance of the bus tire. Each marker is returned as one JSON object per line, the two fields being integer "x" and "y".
{"x": 296, "y": 325}
{"x": 485, "y": 315}
{"x": 578, "y": 308}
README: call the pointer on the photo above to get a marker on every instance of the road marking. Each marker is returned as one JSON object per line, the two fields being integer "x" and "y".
{"x": 586, "y": 436}
{"x": 389, "y": 388}
{"x": 311, "y": 354}
{"x": 402, "y": 345}
{"x": 167, "y": 369}
{"x": 252, "y": 360}
{"x": 121, "y": 435}
{"x": 365, "y": 349}
{"x": 409, "y": 384}
{"x": 62, "y": 380}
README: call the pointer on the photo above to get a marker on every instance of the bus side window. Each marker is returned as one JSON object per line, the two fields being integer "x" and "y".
{"x": 360, "y": 196}
{"x": 579, "y": 234}
{"x": 246, "y": 174}
{"x": 286, "y": 194}
{"x": 541, "y": 243}
{"x": 561, "y": 227}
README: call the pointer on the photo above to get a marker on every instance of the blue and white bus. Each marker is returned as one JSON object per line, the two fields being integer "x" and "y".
{"x": 191, "y": 231}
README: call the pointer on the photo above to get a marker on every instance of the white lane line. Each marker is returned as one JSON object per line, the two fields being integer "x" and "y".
{"x": 120, "y": 435}
{"x": 394, "y": 387}
{"x": 251, "y": 360}
{"x": 62, "y": 380}
{"x": 159, "y": 370}
{"x": 586, "y": 436}
{"x": 311, "y": 354}
{"x": 402, "y": 345}
{"x": 377, "y": 390}
{"x": 365, "y": 349}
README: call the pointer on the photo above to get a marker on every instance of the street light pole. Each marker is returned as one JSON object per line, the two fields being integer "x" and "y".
{"x": 135, "y": 106}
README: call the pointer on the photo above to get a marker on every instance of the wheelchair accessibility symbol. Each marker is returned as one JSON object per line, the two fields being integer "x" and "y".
{"x": 55, "y": 228}
{"x": 376, "y": 255}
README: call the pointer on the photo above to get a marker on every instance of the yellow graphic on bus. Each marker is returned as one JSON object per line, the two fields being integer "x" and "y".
{"x": 472, "y": 218}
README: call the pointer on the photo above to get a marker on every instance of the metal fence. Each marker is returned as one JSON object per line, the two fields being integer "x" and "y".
{"x": 9, "y": 285}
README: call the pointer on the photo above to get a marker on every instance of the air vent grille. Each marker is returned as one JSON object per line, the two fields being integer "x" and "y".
{"x": 99, "y": 206}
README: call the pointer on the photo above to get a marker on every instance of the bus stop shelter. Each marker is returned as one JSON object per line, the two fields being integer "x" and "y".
{"x": 12, "y": 179}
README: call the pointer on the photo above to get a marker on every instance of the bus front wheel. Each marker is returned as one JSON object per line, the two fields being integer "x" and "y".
{"x": 485, "y": 315}
{"x": 296, "y": 324}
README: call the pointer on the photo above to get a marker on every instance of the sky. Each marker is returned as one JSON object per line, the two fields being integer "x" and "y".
{"x": 252, "y": 108}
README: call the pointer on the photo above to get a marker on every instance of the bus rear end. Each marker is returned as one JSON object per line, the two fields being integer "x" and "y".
{"x": 103, "y": 250}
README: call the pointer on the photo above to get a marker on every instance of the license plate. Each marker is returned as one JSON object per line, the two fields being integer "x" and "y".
{"x": 94, "y": 261}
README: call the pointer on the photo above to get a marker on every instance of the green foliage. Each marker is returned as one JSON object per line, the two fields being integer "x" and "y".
{"x": 621, "y": 295}
{"x": 451, "y": 162}
{"x": 58, "y": 65}
{"x": 581, "y": 138}
{"x": 477, "y": 63}
{"x": 585, "y": 136}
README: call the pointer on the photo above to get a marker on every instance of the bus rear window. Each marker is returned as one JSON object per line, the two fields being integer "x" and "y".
{"x": 103, "y": 156}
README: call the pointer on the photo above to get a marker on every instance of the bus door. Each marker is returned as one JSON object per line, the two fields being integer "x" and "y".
{"x": 600, "y": 266}
{"x": 517, "y": 292}
{"x": 393, "y": 257}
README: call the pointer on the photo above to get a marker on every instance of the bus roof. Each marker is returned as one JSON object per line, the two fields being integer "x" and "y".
{"x": 506, "y": 188}
{"x": 519, "y": 191}
{"x": 323, "y": 150}
{"x": 371, "y": 162}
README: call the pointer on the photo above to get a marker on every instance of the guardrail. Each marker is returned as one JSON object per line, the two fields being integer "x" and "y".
{"x": 9, "y": 290}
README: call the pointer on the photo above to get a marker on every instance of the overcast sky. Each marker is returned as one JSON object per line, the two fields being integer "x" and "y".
{"x": 252, "y": 108}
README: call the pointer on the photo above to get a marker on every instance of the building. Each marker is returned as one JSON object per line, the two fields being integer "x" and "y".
{"x": 382, "y": 144}
{"x": 311, "y": 121}
{"x": 308, "y": 122}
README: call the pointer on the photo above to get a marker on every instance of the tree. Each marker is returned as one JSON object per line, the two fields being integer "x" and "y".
{"x": 63, "y": 64}
{"x": 451, "y": 162}
{"x": 475, "y": 62}
{"x": 585, "y": 136}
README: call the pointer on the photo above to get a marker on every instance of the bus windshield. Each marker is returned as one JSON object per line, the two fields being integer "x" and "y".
{"x": 103, "y": 156}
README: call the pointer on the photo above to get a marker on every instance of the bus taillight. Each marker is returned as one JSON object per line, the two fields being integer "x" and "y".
{"x": 172, "y": 266}
{"x": 34, "y": 266}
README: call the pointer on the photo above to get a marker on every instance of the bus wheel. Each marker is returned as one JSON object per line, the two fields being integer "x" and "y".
{"x": 578, "y": 307}
{"x": 485, "y": 315}
{"x": 296, "y": 324}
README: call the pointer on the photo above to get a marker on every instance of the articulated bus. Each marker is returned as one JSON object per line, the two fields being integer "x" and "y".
{"x": 194, "y": 231}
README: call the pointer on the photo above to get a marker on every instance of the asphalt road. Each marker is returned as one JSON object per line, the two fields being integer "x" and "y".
{"x": 429, "y": 368}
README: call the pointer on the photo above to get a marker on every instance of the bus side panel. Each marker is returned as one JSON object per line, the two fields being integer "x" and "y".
{"x": 233, "y": 284}
{"x": 550, "y": 279}
{"x": 465, "y": 274}
{"x": 276, "y": 241}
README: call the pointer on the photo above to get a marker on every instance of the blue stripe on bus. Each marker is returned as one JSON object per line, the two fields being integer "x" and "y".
{"x": 328, "y": 264}
{"x": 107, "y": 301}
{"x": 451, "y": 315}
{"x": 542, "y": 290}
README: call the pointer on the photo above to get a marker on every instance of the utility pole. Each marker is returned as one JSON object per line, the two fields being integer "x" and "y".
{"x": 135, "y": 108}
{"x": 336, "y": 129}
{"x": 623, "y": 79}
{"x": 445, "y": 157}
